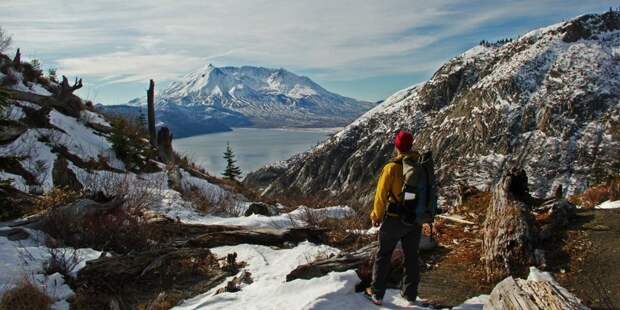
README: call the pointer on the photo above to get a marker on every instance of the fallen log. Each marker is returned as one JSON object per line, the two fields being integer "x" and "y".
{"x": 361, "y": 260}
{"x": 455, "y": 219}
{"x": 519, "y": 294}
{"x": 137, "y": 279}
{"x": 340, "y": 262}
{"x": 263, "y": 236}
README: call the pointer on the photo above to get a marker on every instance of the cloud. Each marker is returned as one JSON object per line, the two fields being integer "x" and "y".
{"x": 126, "y": 41}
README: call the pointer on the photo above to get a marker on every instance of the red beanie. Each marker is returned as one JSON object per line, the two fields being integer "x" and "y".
{"x": 403, "y": 141}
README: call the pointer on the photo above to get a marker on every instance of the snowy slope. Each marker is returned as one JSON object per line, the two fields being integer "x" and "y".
{"x": 548, "y": 101}
{"x": 249, "y": 96}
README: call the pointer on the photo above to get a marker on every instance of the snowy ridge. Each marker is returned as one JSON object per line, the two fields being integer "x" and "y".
{"x": 548, "y": 101}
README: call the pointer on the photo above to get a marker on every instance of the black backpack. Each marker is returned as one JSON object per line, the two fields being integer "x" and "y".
{"x": 418, "y": 200}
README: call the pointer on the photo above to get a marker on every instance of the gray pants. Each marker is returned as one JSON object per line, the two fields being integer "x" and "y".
{"x": 392, "y": 231}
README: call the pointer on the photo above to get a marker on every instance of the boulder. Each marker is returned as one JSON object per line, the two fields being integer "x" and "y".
{"x": 261, "y": 209}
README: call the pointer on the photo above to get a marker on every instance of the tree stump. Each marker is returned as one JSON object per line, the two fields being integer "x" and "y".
{"x": 508, "y": 244}
{"x": 164, "y": 141}
{"x": 519, "y": 294}
{"x": 150, "y": 102}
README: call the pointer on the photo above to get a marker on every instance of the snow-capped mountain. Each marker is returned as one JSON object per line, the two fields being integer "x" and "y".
{"x": 548, "y": 101}
{"x": 249, "y": 96}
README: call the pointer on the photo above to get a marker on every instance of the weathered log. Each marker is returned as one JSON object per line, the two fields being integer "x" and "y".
{"x": 519, "y": 294}
{"x": 139, "y": 278}
{"x": 508, "y": 243}
{"x": 263, "y": 236}
{"x": 340, "y": 262}
{"x": 360, "y": 259}
{"x": 164, "y": 141}
{"x": 150, "y": 102}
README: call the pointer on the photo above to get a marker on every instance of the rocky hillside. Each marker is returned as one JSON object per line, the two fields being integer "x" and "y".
{"x": 213, "y": 99}
{"x": 547, "y": 101}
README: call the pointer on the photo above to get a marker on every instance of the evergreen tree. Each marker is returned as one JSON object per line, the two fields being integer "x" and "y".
{"x": 232, "y": 170}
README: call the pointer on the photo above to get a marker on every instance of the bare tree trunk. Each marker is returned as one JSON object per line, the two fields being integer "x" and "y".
{"x": 17, "y": 61}
{"x": 508, "y": 244}
{"x": 150, "y": 101}
{"x": 164, "y": 140}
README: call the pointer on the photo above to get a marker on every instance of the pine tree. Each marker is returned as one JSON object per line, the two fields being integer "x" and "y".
{"x": 232, "y": 170}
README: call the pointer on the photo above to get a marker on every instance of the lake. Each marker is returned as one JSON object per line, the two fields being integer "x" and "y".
{"x": 253, "y": 147}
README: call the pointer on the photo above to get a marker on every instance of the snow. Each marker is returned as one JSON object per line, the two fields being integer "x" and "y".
{"x": 17, "y": 181}
{"x": 26, "y": 259}
{"x": 93, "y": 118}
{"x": 609, "y": 205}
{"x": 173, "y": 206}
{"x": 39, "y": 90}
{"x": 38, "y": 158}
{"x": 14, "y": 113}
{"x": 210, "y": 191}
{"x": 269, "y": 290}
{"x": 82, "y": 141}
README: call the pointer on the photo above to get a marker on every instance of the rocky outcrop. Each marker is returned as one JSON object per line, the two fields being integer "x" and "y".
{"x": 538, "y": 102}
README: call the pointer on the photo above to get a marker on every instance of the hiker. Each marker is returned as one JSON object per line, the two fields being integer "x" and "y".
{"x": 400, "y": 221}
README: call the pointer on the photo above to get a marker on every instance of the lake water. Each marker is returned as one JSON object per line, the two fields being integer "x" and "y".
{"x": 253, "y": 147}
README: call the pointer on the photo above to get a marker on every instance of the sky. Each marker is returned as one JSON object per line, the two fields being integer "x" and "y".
{"x": 365, "y": 49}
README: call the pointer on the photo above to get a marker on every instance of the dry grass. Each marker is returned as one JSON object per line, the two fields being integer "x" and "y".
{"x": 25, "y": 296}
{"x": 55, "y": 198}
{"x": 598, "y": 194}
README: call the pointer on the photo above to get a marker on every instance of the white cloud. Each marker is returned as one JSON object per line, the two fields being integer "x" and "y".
{"x": 123, "y": 41}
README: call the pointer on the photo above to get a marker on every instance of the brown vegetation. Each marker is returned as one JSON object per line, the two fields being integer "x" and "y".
{"x": 595, "y": 195}
{"x": 25, "y": 296}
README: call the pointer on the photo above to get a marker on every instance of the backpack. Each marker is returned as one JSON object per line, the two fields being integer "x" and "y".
{"x": 419, "y": 194}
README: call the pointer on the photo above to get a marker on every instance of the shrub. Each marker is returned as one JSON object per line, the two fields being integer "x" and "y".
{"x": 129, "y": 142}
{"x": 25, "y": 296}
{"x": 62, "y": 260}
{"x": 55, "y": 198}
{"x": 598, "y": 194}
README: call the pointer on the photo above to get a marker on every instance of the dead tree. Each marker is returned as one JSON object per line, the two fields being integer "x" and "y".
{"x": 17, "y": 61}
{"x": 509, "y": 238}
{"x": 164, "y": 141}
{"x": 150, "y": 102}
{"x": 67, "y": 90}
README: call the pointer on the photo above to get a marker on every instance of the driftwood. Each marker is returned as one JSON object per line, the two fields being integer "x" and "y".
{"x": 134, "y": 280}
{"x": 150, "y": 102}
{"x": 263, "y": 236}
{"x": 361, "y": 260}
{"x": 519, "y": 294}
{"x": 340, "y": 262}
{"x": 508, "y": 243}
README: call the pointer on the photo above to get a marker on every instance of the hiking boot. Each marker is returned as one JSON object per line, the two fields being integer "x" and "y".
{"x": 417, "y": 302}
{"x": 374, "y": 298}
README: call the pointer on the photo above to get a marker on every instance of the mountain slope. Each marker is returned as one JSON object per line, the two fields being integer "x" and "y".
{"x": 548, "y": 101}
{"x": 247, "y": 96}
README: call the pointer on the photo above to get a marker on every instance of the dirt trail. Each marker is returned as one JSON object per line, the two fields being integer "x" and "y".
{"x": 594, "y": 247}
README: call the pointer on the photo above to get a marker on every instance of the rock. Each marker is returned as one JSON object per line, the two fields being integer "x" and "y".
{"x": 235, "y": 284}
{"x": 261, "y": 209}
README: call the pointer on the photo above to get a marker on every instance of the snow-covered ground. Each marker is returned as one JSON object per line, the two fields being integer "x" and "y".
{"x": 609, "y": 205}
{"x": 269, "y": 290}
{"x": 26, "y": 259}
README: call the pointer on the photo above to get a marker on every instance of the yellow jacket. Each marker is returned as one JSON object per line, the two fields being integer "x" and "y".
{"x": 390, "y": 181}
